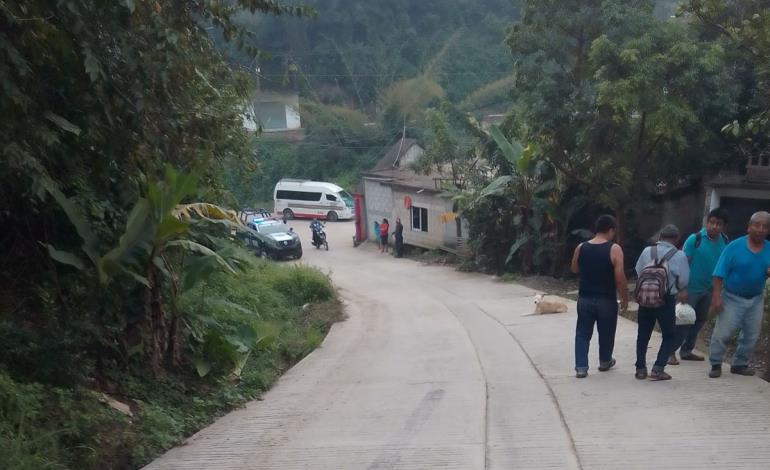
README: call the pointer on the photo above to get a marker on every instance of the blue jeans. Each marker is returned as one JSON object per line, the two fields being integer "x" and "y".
{"x": 738, "y": 314}
{"x": 687, "y": 335}
{"x": 666, "y": 318}
{"x": 602, "y": 312}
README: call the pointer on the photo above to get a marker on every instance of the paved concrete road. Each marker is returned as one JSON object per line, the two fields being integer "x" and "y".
{"x": 439, "y": 369}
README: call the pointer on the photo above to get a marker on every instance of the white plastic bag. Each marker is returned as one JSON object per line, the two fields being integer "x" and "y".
{"x": 685, "y": 315}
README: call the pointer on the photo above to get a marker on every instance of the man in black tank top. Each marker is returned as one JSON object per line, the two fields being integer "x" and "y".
{"x": 599, "y": 262}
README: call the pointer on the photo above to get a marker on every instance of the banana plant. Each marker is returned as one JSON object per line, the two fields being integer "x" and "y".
{"x": 160, "y": 250}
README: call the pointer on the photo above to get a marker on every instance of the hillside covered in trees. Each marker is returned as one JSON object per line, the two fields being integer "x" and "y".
{"x": 365, "y": 71}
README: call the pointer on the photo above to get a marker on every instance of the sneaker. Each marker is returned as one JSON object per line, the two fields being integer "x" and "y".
{"x": 581, "y": 374}
{"x": 742, "y": 370}
{"x": 657, "y": 375}
{"x": 641, "y": 374}
{"x": 691, "y": 357}
{"x": 672, "y": 360}
{"x": 716, "y": 371}
{"x": 605, "y": 366}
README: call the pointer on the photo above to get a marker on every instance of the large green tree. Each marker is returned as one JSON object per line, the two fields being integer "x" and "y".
{"x": 742, "y": 28}
{"x": 620, "y": 102}
{"x": 98, "y": 98}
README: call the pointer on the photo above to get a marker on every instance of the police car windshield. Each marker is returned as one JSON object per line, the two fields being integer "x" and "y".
{"x": 272, "y": 228}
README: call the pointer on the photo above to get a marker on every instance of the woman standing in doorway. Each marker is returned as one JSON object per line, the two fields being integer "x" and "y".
{"x": 384, "y": 227}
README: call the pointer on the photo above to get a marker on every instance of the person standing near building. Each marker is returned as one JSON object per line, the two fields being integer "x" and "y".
{"x": 377, "y": 234}
{"x": 398, "y": 234}
{"x": 661, "y": 262}
{"x": 702, "y": 249}
{"x": 384, "y": 232}
{"x": 738, "y": 298}
{"x": 599, "y": 262}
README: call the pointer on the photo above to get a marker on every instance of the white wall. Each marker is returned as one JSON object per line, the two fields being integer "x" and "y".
{"x": 378, "y": 201}
{"x": 411, "y": 156}
{"x": 292, "y": 117}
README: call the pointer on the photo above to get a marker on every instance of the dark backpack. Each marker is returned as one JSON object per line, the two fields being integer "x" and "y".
{"x": 699, "y": 238}
{"x": 652, "y": 285}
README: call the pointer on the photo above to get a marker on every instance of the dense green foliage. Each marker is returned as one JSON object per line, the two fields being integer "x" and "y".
{"x": 54, "y": 427}
{"x": 119, "y": 116}
{"x": 353, "y": 51}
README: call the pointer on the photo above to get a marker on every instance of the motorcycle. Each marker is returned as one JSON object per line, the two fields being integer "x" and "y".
{"x": 319, "y": 239}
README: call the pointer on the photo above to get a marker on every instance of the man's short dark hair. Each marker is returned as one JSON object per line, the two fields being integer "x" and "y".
{"x": 718, "y": 213}
{"x": 605, "y": 223}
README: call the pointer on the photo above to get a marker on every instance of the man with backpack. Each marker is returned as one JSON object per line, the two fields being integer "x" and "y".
{"x": 663, "y": 278}
{"x": 738, "y": 298}
{"x": 703, "y": 249}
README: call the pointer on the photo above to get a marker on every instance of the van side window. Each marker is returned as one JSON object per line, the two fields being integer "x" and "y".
{"x": 329, "y": 197}
{"x": 298, "y": 195}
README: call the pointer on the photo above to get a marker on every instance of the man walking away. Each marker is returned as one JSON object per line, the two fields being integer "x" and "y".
{"x": 669, "y": 265}
{"x": 398, "y": 234}
{"x": 702, "y": 250}
{"x": 599, "y": 262}
{"x": 738, "y": 298}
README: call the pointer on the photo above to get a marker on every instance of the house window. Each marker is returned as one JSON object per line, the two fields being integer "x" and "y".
{"x": 419, "y": 219}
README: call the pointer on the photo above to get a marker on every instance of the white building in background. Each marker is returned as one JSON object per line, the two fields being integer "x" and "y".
{"x": 274, "y": 112}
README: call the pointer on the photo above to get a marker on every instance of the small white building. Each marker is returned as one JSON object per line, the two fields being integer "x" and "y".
{"x": 393, "y": 189}
{"x": 273, "y": 112}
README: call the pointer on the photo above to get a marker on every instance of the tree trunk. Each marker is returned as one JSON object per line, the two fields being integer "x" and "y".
{"x": 155, "y": 321}
{"x": 174, "y": 350}
{"x": 622, "y": 218}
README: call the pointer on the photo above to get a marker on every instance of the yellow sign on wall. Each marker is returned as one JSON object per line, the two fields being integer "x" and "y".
{"x": 447, "y": 217}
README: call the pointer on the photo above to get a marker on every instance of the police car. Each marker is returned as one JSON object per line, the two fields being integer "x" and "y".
{"x": 274, "y": 239}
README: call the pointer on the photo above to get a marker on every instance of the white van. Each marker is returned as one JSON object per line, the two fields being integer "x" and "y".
{"x": 312, "y": 199}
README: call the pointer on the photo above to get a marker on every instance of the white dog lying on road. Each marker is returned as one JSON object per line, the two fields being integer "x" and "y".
{"x": 543, "y": 306}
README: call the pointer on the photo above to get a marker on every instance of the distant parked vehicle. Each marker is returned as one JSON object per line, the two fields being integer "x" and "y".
{"x": 312, "y": 199}
{"x": 273, "y": 239}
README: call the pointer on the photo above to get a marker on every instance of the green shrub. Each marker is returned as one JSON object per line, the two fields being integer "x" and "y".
{"x": 302, "y": 285}
{"x": 45, "y": 427}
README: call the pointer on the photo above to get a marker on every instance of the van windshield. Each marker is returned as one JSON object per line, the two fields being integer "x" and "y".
{"x": 347, "y": 198}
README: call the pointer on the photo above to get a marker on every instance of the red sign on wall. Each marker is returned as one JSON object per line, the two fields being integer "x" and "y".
{"x": 407, "y": 202}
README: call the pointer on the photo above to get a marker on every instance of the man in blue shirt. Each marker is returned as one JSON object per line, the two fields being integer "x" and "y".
{"x": 678, "y": 278}
{"x": 703, "y": 249}
{"x": 738, "y": 298}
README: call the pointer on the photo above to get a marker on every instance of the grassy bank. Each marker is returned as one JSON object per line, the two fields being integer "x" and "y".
{"x": 45, "y": 427}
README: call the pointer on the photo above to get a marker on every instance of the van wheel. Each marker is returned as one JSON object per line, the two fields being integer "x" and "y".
{"x": 288, "y": 214}
{"x": 332, "y": 216}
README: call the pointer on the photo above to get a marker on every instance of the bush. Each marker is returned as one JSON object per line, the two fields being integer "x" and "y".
{"x": 44, "y": 427}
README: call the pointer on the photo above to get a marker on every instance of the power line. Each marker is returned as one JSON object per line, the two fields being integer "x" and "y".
{"x": 344, "y": 75}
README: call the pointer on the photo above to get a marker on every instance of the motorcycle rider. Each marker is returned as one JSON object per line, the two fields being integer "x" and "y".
{"x": 315, "y": 227}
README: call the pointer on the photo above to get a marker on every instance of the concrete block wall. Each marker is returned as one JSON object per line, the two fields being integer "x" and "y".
{"x": 378, "y": 200}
